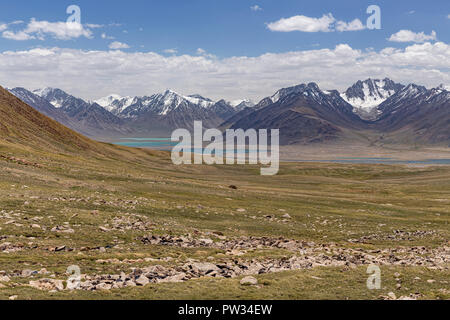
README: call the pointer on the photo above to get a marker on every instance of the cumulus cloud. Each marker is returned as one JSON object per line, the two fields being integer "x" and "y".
{"x": 116, "y": 45}
{"x": 18, "y": 36}
{"x": 255, "y": 8}
{"x": 171, "y": 51}
{"x": 327, "y": 23}
{"x": 355, "y": 25}
{"x": 202, "y": 52}
{"x": 4, "y": 26}
{"x": 303, "y": 23}
{"x": 58, "y": 30}
{"x": 410, "y": 36}
{"x": 92, "y": 74}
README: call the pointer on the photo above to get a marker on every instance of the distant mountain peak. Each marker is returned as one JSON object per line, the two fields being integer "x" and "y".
{"x": 42, "y": 92}
{"x": 198, "y": 96}
{"x": 55, "y": 96}
{"x": 365, "y": 96}
{"x": 115, "y": 103}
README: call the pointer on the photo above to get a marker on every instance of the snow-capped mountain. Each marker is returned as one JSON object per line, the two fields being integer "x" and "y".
{"x": 88, "y": 118}
{"x": 164, "y": 103}
{"x": 240, "y": 105}
{"x": 414, "y": 95}
{"x": 160, "y": 104}
{"x": 366, "y": 96}
{"x": 42, "y": 105}
{"x": 115, "y": 103}
{"x": 417, "y": 115}
{"x": 304, "y": 113}
{"x": 408, "y": 94}
{"x": 56, "y": 97}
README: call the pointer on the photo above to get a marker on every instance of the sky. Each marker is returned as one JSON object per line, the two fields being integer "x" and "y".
{"x": 230, "y": 49}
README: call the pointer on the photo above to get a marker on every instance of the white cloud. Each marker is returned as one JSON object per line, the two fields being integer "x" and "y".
{"x": 448, "y": 17}
{"x": 94, "y": 26}
{"x": 303, "y": 23}
{"x": 410, "y": 36}
{"x": 327, "y": 23}
{"x": 92, "y": 74}
{"x": 355, "y": 25}
{"x": 105, "y": 36}
{"x": 4, "y": 26}
{"x": 58, "y": 30}
{"x": 18, "y": 36}
{"x": 116, "y": 45}
{"x": 201, "y": 51}
{"x": 255, "y": 8}
{"x": 171, "y": 51}
{"x": 17, "y": 22}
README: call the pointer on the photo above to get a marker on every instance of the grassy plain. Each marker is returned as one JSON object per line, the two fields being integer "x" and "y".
{"x": 132, "y": 193}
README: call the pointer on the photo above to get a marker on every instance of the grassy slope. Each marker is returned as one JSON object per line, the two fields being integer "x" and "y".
{"x": 90, "y": 184}
{"x": 328, "y": 203}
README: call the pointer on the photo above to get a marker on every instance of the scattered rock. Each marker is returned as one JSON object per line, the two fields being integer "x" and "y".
{"x": 392, "y": 296}
{"x": 47, "y": 284}
{"x": 142, "y": 281}
{"x": 60, "y": 248}
{"x": 27, "y": 273}
{"x": 103, "y": 286}
{"x": 249, "y": 281}
{"x": 204, "y": 268}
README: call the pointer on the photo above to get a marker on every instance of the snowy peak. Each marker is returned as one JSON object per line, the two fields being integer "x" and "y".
{"x": 56, "y": 97}
{"x": 311, "y": 92}
{"x": 241, "y": 104}
{"x": 162, "y": 104}
{"x": 114, "y": 103}
{"x": 171, "y": 96}
{"x": 415, "y": 95}
{"x": 25, "y": 95}
{"x": 107, "y": 101}
{"x": 366, "y": 96}
{"x": 412, "y": 91}
{"x": 43, "y": 92}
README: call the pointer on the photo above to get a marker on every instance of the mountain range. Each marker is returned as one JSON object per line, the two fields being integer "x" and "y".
{"x": 375, "y": 110}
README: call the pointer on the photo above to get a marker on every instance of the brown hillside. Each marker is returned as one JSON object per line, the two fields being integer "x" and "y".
{"x": 20, "y": 123}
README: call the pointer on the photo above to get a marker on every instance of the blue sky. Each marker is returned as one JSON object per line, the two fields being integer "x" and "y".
{"x": 216, "y": 31}
{"x": 227, "y": 28}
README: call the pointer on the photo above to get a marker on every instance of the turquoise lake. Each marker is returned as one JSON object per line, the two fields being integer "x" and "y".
{"x": 167, "y": 144}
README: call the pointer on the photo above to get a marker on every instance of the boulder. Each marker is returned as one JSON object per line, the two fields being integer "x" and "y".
{"x": 249, "y": 281}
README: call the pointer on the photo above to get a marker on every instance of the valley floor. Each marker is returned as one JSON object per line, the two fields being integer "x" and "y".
{"x": 140, "y": 228}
